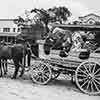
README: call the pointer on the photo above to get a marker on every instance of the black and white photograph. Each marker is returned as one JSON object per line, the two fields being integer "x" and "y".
{"x": 49, "y": 50}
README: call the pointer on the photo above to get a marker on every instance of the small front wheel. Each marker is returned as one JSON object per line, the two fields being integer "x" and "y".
{"x": 41, "y": 72}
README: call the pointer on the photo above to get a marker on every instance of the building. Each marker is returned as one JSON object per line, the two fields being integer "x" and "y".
{"x": 90, "y": 19}
{"x": 8, "y": 30}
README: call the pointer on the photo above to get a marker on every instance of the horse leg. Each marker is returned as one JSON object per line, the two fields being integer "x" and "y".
{"x": 16, "y": 63}
{"x": 4, "y": 65}
{"x": 22, "y": 66}
{"x": 29, "y": 58}
{"x": 0, "y": 69}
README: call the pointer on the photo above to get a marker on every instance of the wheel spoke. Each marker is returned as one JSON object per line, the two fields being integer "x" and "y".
{"x": 95, "y": 86}
{"x": 94, "y": 68}
{"x": 82, "y": 75}
{"x": 97, "y": 71}
{"x": 97, "y": 81}
{"x": 98, "y": 75}
{"x": 81, "y": 80}
{"x": 88, "y": 85}
{"x": 46, "y": 71}
{"x": 89, "y": 67}
{"x": 84, "y": 83}
{"x": 86, "y": 68}
{"x": 91, "y": 86}
{"x": 37, "y": 77}
{"x": 83, "y": 72}
{"x": 46, "y": 76}
{"x": 43, "y": 78}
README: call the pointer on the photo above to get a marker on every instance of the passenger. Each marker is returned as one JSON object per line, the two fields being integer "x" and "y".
{"x": 67, "y": 44}
{"x": 77, "y": 42}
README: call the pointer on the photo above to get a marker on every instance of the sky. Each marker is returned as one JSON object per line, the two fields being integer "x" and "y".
{"x": 14, "y": 8}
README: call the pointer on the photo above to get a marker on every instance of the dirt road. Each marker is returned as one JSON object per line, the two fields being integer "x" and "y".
{"x": 24, "y": 89}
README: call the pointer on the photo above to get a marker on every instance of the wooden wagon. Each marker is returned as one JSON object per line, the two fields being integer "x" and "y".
{"x": 85, "y": 71}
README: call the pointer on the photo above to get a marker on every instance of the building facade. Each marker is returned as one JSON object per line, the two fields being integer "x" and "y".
{"x": 91, "y": 19}
{"x": 8, "y": 30}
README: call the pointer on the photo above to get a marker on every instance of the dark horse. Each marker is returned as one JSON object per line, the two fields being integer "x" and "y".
{"x": 16, "y": 52}
{"x": 59, "y": 40}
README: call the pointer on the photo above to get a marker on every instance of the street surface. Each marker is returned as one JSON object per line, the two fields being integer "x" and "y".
{"x": 25, "y": 89}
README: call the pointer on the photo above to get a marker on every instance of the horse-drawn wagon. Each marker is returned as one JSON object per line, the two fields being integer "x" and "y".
{"x": 83, "y": 65}
{"x": 85, "y": 69}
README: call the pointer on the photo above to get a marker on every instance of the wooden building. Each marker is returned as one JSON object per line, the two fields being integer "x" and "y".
{"x": 8, "y": 30}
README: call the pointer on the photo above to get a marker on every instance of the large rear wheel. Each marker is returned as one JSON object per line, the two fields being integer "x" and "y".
{"x": 87, "y": 77}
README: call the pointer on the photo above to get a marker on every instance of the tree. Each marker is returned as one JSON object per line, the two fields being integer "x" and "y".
{"x": 43, "y": 16}
{"x": 19, "y": 20}
{"x": 29, "y": 30}
{"x": 61, "y": 13}
{"x": 52, "y": 15}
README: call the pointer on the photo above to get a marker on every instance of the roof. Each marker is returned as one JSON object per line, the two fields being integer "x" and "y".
{"x": 9, "y": 34}
{"x": 91, "y": 14}
{"x": 78, "y": 27}
{"x": 6, "y": 19}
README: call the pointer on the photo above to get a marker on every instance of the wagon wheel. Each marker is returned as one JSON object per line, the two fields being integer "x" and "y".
{"x": 41, "y": 73}
{"x": 87, "y": 77}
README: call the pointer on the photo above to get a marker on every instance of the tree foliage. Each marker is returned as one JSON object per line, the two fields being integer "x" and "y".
{"x": 61, "y": 13}
{"x": 44, "y": 17}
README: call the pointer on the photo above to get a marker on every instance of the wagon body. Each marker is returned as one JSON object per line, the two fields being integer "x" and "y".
{"x": 86, "y": 71}
{"x": 72, "y": 56}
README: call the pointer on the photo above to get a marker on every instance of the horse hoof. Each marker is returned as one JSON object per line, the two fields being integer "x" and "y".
{"x": 5, "y": 73}
{"x": 1, "y": 76}
{"x": 20, "y": 75}
{"x": 13, "y": 77}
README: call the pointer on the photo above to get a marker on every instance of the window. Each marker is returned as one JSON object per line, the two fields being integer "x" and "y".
{"x": 14, "y": 29}
{"x": 18, "y": 30}
{"x": 6, "y": 29}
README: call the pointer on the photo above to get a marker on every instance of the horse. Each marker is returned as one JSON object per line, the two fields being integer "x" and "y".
{"x": 57, "y": 40}
{"x": 16, "y": 52}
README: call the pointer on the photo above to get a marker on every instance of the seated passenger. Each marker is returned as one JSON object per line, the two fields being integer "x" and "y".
{"x": 66, "y": 46}
{"x": 77, "y": 42}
